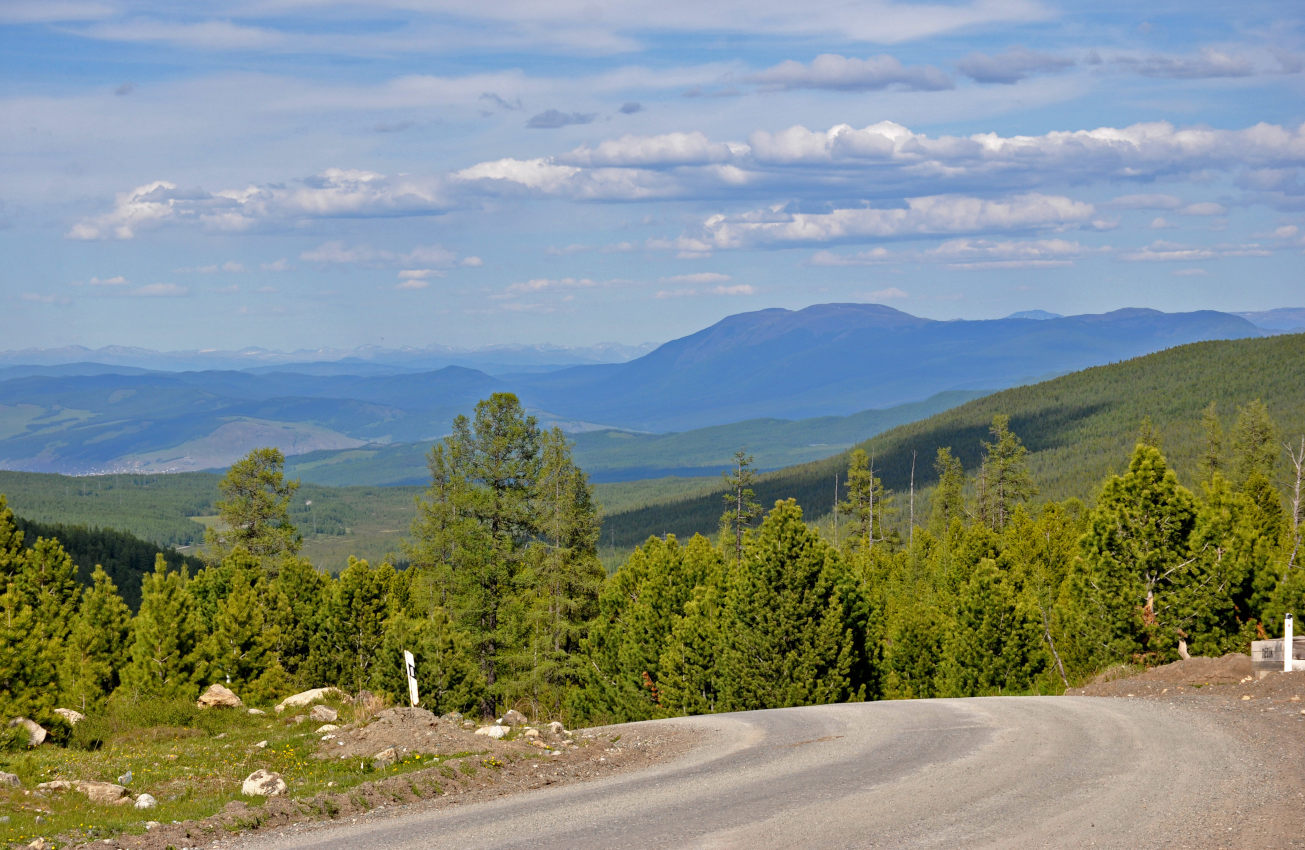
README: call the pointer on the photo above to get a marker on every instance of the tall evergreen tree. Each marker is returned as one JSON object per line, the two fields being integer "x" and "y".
{"x": 1254, "y": 443}
{"x": 785, "y": 631}
{"x": 1004, "y": 480}
{"x": 169, "y": 648}
{"x": 867, "y": 501}
{"x": 242, "y": 637}
{"x": 741, "y": 506}
{"x": 948, "y": 499}
{"x": 1212, "y": 449}
{"x": 254, "y": 510}
{"x": 97, "y": 646}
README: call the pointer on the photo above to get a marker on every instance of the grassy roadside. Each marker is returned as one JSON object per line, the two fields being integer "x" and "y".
{"x": 192, "y": 761}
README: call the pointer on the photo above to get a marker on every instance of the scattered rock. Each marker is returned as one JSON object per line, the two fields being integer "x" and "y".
{"x": 73, "y": 717}
{"x": 146, "y": 801}
{"x": 38, "y": 844}
{"x": 555, "y": 729}
{"x": 218, "y": 696}
{"x": 323, "y": 714}
{"x": 152, "y": 824}
{"x": 468, "y": 724}
{"x": 452, "y": 717}
{"x": 307, "y": 698}
{"x": 327, "y": 727}
{"x": 258, "y": 712}
{"x": 36, "y": 734}
{"x": 530, "y": 732}
{"x": 496, "y": 731}
{"x": 263, "y": 783}
{"x": 103, "y": 793}
{"x": 385, "y": 758}
{"x": 10, "y": 779}
{"x": 261, "y": 745}
{"x": 513, "y": 718}
{"x": 298, "y": 718}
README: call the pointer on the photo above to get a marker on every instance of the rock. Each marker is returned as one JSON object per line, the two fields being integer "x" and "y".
{"x": 11, "y": 780}
{"x": 496, "y": 731}
{"x": 263, "y": 783}
{"x": 307, "y": 698}
{"x": 36, "y": 735}
{"x": 258, "y": 712}
{"x": 514, "y": 718}
{"x": 152, "y": 824}
{"x": 38, "y": 844}
{"x": 261, "y": 745}
{"x": 323, "y": 714}
{"x": 103, "y": 793}
{"x": 218, "y": 696}
{"x": 327, "y": 727}
{"x": 385, "y": 758}
{"x": 556, "y": 729}
{"x": 530, "y": 732}
{"x": 146, "y": 801}
{"x": 298, "y": 718}
{"x": 468, "y": 724}
{"x": 73, "y": 717}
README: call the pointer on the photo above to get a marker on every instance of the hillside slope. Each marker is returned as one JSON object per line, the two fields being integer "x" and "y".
{"x": 1078, "y": 428}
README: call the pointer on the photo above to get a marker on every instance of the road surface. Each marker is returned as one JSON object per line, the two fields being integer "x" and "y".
{"x": 995, "y": 772}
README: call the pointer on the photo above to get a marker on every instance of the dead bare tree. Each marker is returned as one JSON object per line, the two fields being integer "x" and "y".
{"x": 1297, "y": 457}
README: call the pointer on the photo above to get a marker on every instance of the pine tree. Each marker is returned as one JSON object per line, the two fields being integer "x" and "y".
{"x": 169, "y": 657}
{"x": 448, "y": 678}
{"x": 688, "y": 682}
{"x": 38, "y": 602}
{"x": 254, "y": 510}
{"x": 785, "y": 633}
{"x": 1254, "y": 443}
{"x": 353, "y": 628}
{"x": 995, "y": 645}
{"x": 242, "y": 638}
{"x": 948, "y": 501}
{"x": 741, "y": 507}
{"x": 1212, "y": 449}
{"x": 97, "y": 646}
{"x": 867, "y": 502}
{"x": 297, "y": 601}
{"x": 1004, "y": 480}
{"x": 1141, "y": 578}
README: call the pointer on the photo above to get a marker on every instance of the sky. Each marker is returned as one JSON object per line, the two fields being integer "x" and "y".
{"x": 301, "y": 174}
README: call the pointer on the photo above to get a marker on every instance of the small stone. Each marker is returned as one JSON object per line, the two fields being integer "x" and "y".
{"x": 146, "y": 801}
{"x": 530, "y": 732}
{"x": 152, "y": 824}
{"x": 1245, "y": 697}
{"x": 298, "y": 718}
{"x": 36, "y": 734}
{"x": 38, "y": 844}
{"x": 261, "y": 745}
{"x": 11, "y": 780}
{"x": 514, "y": 718}
{"x": 257, "y": 712}
{"x": 218, "y": 696}
{"x": 263, "y": 783}
{"x": 385, "y": 758}
{"x": 327, "y": 727}
{"x": 468, "y": 724}
{"x": 323, "y": 714}
{"x": 496, "y": 731}
{"x": 555, "y": 728}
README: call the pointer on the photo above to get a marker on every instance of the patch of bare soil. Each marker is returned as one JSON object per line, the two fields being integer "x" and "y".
{"x": 479, "y": 768}
{"x": 1268, "y": 714}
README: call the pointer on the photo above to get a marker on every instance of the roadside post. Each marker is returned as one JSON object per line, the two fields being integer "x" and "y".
{"x": 1286, "y": 655}
{"x": 410, "y": 666}
{"x": 1287, "y": 644}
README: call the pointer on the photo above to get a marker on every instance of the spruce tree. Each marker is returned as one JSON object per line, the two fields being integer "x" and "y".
{"x": 254, "y": 510}
{"x": 741, "y": 507}
{"x": 353, "y": 629}
{"x": 1004, "y": 480}
{"x": 867, "y": 502}
{"x": 948, "y": 498}
{"x": 1254, "y": 443}
{"x": 242, "y": 637}
{"x": 38, "y": 602}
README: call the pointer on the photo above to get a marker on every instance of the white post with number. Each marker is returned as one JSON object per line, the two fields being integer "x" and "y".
{"x": 1287, "y": 645}
{"x": 410, "y": 664}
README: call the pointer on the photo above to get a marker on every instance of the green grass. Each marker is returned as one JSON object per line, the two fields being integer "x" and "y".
{"x": 192, "y": 761}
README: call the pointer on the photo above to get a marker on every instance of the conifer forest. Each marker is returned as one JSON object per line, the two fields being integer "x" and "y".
{"x": 984, "y": 587}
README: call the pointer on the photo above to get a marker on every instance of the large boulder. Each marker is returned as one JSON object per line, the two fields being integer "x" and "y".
{"x": 103, "y": 793}
{"x": 513, "y": 718}
{"x": 263, "y": 783}
{"x": 218, "y": 696}
{"x": 36, "y": 734}
{"x": 146, "y": 801}
{"x": 307, "y": 698}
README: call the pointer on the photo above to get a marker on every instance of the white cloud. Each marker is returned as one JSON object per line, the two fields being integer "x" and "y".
{"x": 874, "y": 256}
{"x": 116, "y": 280}
{"x": 735, "y": 289}
{"x": 203, "y": 35}
{"x": 1163, "y": 252}
{"x": 939, "y": 214}
{"x": 832, "y": 71}
{"x": 1010, "y": 66}
{"x": 335, "y": 192}
{"x": 412, "y": 283}
{"x": 1204, "y": 208}
{"x": 663, "y": 150}
{"x": 434, "y": 258}
{"x": 977, "y": 254}
{"x": 544, "y": 284}
{"x": 158, "y": 290}
{"x": 279, "y": 265}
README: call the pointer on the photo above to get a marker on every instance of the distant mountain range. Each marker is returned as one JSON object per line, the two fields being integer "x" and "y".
{"x": 830, "y": 360}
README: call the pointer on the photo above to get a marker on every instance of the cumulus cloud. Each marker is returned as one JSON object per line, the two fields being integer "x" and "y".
{"x": 552, "y": 119}
{"x": 1010, "y": 66}
{"x": 735, "y": 289}
{"x": 335, "y": 192}
{"x": 832, "y": 71}
{"x": 667, "y": 149}
{"x": 974, "y": 254}
{"x": 940, "y": 214}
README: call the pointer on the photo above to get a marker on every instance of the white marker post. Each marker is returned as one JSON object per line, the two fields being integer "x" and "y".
{"x": 1287, "y": 645}
{"x": 411, "y": 665}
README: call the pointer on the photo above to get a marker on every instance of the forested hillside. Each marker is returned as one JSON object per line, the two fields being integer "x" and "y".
{"x": 1078, "y": 428}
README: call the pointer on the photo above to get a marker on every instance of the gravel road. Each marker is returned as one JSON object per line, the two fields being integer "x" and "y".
{"x": 996, "y": 772}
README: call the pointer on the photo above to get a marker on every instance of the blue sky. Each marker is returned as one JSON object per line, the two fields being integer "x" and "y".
{"x": 311, "y": 173}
